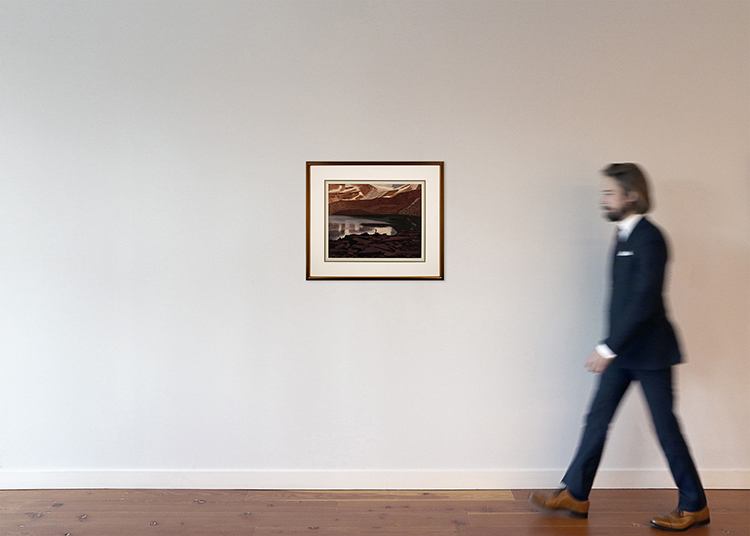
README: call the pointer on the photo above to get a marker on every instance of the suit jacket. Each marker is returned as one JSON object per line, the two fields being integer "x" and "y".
{"x": 639, "y": 331}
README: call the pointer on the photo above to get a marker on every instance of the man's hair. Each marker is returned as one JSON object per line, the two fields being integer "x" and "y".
{"x": 632, "y": 179}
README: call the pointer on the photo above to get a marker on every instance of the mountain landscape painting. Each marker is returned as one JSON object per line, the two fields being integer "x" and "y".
{"x": 377, "y": 220}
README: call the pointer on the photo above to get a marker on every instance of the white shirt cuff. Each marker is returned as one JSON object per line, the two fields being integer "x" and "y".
{"x": 605, "y": 351}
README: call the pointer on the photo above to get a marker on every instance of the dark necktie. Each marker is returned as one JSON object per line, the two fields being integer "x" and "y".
{"x": 618, "y": 243}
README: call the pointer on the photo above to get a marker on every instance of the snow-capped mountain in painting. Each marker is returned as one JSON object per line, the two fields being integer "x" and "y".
{"x": 374, "y": 199}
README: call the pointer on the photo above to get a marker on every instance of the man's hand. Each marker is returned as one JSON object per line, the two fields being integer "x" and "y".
{"x": 596, "y": 363}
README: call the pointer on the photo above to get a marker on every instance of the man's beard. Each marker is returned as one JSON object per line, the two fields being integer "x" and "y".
{"x": 614, "y": 215}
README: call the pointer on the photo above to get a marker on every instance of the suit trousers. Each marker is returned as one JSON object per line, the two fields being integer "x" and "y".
{"x": 657, "y": 387}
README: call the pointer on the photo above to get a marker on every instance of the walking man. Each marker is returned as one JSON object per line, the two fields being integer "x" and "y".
{"x": 641, "y": 346}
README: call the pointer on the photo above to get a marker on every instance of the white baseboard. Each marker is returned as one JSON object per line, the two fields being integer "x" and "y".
{"x": 302, "y": 480}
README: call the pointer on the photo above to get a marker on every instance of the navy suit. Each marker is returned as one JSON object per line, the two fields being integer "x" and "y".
{"x": 646, "y": 346}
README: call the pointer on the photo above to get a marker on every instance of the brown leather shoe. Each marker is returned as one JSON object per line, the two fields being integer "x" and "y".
{"x": 680, "y": 520}
{"x": 562, "y": 500}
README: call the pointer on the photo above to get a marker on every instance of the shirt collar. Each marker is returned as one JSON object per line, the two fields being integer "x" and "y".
{"x": 627, "y": 225}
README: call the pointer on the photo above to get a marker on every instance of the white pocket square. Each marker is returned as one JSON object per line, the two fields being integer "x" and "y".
{"x": 624, "y": 253}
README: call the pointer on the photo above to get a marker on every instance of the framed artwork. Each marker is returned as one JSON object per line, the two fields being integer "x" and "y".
{"x": 375, "y": 220}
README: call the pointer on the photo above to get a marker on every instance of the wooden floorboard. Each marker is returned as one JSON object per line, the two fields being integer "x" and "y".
{"x": 354, "y": 513}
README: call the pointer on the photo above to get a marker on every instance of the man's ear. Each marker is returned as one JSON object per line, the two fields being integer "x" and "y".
{"x": 632, "y": 196}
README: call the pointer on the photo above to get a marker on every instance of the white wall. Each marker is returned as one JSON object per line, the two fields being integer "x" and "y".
{"x": 157, "y": 329}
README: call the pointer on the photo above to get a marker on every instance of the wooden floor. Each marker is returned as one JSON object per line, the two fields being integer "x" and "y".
{"x": 319, "y": 513}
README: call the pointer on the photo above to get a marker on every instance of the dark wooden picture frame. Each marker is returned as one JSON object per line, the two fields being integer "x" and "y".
{"x": 375, "y": 220}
